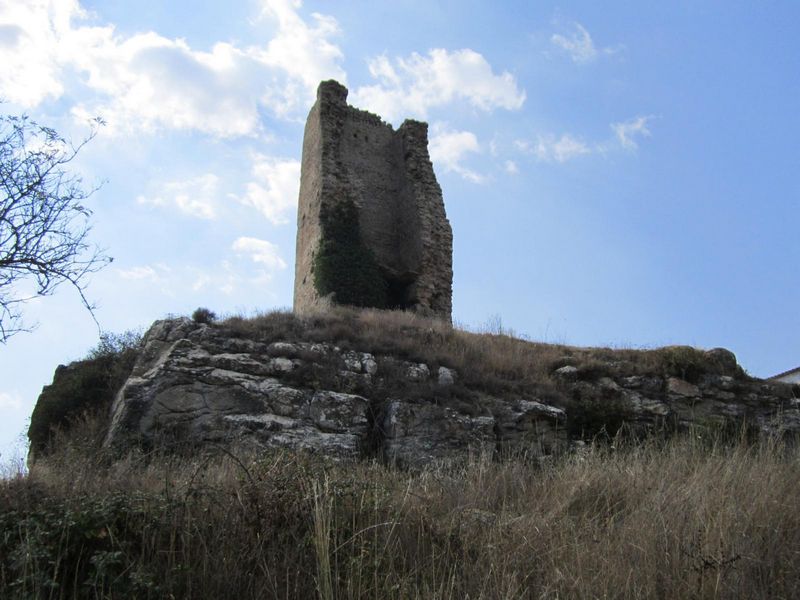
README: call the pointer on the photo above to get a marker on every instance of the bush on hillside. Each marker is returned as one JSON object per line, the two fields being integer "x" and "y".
{"x": 204, "y": 315}
{"x": 84, "y": 386}
{"x": 692, "y": 364}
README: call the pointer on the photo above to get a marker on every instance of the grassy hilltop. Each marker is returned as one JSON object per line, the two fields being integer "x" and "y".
{"x": 703, "y": 514}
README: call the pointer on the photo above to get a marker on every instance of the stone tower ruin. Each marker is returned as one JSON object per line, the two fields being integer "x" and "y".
{"x": 371, "y": 216}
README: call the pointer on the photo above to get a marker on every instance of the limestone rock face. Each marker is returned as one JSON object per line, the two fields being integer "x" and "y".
{"x": 195, "y": 382}
{"x": 352, "y": 156}
{"x": 420, "y": 432}
{"x": 200, "y": 384}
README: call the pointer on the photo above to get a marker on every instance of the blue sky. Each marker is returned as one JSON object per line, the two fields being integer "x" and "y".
{"x": 615, "y": 173}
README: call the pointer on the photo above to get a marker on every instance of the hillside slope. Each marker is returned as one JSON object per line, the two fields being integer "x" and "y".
{"x": 394, "y": 386}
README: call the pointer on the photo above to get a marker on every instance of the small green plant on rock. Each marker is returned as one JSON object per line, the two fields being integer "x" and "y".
{"x": 204, "y": 315}
{"x": 685, "y": 362}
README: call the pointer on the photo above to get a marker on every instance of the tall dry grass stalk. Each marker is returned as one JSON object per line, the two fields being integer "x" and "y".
{"x": 685, "y": 518}
{"x": 689, "y": 517}
{"x": 492, "y": 359}
{"x": 323, "y": 514}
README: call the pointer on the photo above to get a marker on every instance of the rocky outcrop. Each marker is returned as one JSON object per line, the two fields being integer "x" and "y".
{"x": 199, "y": 383}
{"x": 195, "y": 382}
{"x": 191, "y": 383}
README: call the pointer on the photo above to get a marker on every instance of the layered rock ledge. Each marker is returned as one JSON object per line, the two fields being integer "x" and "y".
{"x": 205, "y": 384}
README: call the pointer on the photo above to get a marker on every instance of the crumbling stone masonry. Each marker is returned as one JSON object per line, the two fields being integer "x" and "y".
{"x": 355, "y": 164}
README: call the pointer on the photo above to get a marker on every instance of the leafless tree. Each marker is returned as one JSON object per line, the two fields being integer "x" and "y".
{"x": 44, "y": 224}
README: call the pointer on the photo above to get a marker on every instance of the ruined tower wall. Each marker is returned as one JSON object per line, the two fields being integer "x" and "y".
{"x": 372, "y": 157}
{"x": 309, "y": 229}
{"x": 352, "y": 155}
{"x": 434, "y": 287}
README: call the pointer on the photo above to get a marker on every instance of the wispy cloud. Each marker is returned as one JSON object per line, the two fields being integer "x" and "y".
{"x": 628, "y": 131}
{"x": 10, "y": 401}
{"x": 549, "y": 148}
{"x": 198, "y": 196}
{"x": 448, "y": 149}
{"x": 415, "y": 84}
{"x": 565, "y": 147}
{"x": 221, "y": 278}
{"x": 579, "y": 45}
{"x": 273, "y": 191}
{"x": 226, "y": 276}
{"x": 30, "y": 72}
{"x": 156, "y": 277}
{"x": 260, "y": 251}
{"x": 144, "y": 272}
{"x": 147, "y": 81}
{"x": 274, "y": 188}
{"x": 301, "y": 49}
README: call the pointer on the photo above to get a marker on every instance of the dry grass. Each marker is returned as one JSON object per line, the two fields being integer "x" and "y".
{"x": 684, "y": 518}
{"x": 493, "y": 360}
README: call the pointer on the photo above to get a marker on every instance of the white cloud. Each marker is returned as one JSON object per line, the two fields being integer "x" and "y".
{"x": 223, "y": 279}
{"x": 522, "y": 145}
{"x": 11, "y": 401}
{"x": 139, "y": 273}
{"x": 303, "y": 51}
{"x": 157, "y": 276}
{"x": 260, "y": 251}
{"x": 197, "y": 196}
{"x": 627, "y": 131}
{"x": 550, "y": 148}
{"x": 29, "y": 33}
{"x": 412, "y": 86}
{"x": 275, "y": 187}
{"x": 201, "y": 280}
{"x": 448, "y": 148}
{"x": 579, "y": 45}
{"x": 511, "y": 167}
{"x": 226, "y": 277}
{"x": 148, "y": 82}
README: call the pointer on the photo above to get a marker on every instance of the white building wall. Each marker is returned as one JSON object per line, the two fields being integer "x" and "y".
{"x": 792, "y": 377}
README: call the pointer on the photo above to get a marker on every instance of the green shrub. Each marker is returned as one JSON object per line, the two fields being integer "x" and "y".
{"x": 83, "y": 386}
{"x": 204, "y": 315}
{"x": 592, "y": 370}
{"x": 343, "y": 265}
{"x": 596, "y": 414}
{"x": 685, "y": 362}
{"x": 116, "y": 344}
{"x": 79, "y": 548}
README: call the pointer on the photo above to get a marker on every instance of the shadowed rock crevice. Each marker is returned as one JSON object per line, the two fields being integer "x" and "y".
{"x": 400, "y": 292}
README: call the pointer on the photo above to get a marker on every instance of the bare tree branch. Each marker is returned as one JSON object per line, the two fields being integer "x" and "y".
{"x": 44, "y": 224}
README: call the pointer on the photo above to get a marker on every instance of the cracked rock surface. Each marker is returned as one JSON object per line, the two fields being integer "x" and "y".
{"x": 194, "y": 381}
{"x": 203, "y": 384}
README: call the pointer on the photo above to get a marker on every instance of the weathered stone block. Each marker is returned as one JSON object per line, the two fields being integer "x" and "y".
{"x": 417, "y": 433}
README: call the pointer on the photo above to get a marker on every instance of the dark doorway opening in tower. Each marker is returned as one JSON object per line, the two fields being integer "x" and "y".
{"x": 400, "y": 292}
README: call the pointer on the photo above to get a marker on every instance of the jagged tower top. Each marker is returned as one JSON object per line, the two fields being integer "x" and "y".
{"x": 332, "y": 91}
